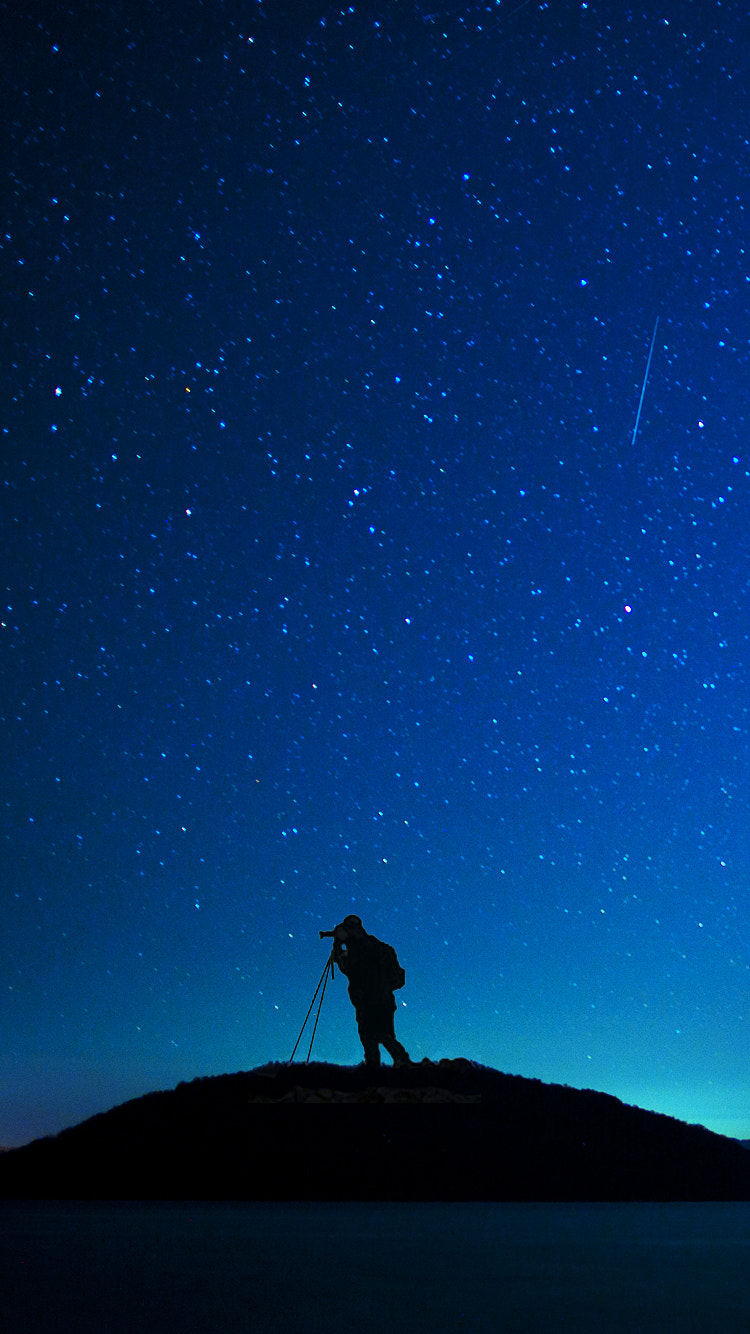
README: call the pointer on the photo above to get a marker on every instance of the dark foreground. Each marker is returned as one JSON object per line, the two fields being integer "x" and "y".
{"x": 446, "y": 1131}
{"x": 456, "y": 1268}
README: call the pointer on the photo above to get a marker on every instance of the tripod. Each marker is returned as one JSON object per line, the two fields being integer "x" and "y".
{"x": 322, "y": 983}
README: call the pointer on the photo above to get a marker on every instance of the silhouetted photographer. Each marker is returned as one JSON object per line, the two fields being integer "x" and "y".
{"x": 373, "y": 972}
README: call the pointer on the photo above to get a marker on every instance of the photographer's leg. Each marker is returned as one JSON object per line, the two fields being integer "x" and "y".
{"x": 398, "y": 1054}
{"x": 368, "y": 1036}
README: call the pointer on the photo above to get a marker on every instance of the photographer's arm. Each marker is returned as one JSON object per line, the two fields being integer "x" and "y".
{"x": 340, "y": 957}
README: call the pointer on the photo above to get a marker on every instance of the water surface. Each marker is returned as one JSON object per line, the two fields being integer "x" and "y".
{"x": 273, "y": 1268}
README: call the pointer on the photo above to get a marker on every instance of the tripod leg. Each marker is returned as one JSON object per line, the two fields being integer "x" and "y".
{"x": 320, "y": 1005}
{"x": 322, "y": 982}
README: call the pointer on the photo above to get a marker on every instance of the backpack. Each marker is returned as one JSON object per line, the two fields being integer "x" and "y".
{"x": 392, "y": 972}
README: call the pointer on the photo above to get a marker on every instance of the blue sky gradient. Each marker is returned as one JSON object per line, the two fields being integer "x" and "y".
{"x": 336, "y": 578}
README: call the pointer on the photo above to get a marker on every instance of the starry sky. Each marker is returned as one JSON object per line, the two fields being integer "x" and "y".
{"x": 375, "y": 484}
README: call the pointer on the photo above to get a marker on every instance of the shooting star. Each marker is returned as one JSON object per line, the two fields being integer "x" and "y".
{"x": 645, "y": 381}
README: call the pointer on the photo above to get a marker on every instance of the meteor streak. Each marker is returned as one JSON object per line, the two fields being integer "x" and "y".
{"x": 645, "y": 381}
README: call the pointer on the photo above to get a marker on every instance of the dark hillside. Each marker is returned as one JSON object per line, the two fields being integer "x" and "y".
{"x": 446, "y": 1131}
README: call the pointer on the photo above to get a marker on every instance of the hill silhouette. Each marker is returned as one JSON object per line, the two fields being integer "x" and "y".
{"x": 451, "y": 1130}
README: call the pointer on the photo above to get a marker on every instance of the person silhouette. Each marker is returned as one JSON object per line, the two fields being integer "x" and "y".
{"x": 373, "y": 973}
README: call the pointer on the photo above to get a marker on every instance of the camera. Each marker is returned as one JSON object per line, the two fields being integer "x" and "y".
{"x": 338, "y": 933}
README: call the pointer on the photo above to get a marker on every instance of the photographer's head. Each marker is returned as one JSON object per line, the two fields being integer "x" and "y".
{"x": 350, "y": 929}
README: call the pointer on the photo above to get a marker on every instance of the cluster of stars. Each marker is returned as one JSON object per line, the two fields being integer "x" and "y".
{"x": 338, "y": 579}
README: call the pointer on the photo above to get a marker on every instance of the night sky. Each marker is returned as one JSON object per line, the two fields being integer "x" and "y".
{"x": 337, "y": 575}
